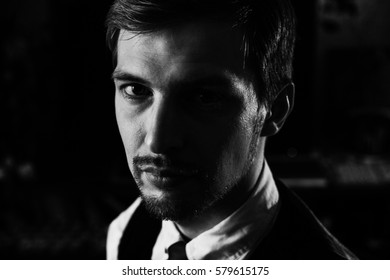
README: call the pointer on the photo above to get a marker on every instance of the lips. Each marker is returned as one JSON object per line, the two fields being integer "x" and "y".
{"x": 168, "y": 178}
{"x": 169, "y": 172}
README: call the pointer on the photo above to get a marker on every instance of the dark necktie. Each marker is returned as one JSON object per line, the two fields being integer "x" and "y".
{"x": 177, "y": 251}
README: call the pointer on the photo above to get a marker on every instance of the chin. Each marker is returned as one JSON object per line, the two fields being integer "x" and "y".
{"x": 175, "y": 207}
{"x": 168, "y": 208}
{"x": 180, "y": 203}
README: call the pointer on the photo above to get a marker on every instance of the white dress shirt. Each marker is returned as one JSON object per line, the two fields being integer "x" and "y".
{"x": 233, "y": 238}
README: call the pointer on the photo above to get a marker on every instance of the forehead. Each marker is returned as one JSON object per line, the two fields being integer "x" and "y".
{"x": 196, "y": 46}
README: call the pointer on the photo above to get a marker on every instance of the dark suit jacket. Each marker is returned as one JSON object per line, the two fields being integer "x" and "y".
{"x": 296, "y": 235}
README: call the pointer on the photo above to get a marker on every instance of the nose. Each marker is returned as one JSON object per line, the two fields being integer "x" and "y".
{"x": 164, "y": 127}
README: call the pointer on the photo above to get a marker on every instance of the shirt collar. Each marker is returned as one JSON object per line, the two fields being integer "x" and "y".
{"x": 235, "y": 236}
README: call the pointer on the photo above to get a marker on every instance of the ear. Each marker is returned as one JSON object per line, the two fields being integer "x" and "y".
{"x": 279, "y": 110}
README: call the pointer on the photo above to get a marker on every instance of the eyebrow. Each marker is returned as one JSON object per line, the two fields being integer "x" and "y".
{"x": 125, "y": 76}
{"x": 212, "y": 80}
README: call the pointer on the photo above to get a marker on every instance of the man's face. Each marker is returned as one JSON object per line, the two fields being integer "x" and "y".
{"x": 188, "y": 117}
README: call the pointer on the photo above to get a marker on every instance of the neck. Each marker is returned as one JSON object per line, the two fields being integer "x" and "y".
{"x": 223, "y": 208}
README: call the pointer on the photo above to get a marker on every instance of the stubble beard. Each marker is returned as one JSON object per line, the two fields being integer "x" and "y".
{"x": 191, "y": 206}
{"x": 184, "y": 207}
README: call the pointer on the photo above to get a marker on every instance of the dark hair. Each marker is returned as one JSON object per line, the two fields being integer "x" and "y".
{"x": 268, "y": 28}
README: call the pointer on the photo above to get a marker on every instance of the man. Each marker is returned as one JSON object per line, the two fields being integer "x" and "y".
{"x": 200, "y": 85}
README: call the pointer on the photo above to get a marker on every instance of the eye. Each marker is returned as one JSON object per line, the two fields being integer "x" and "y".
{"x": 209, "y": 97}
{"x": 213, "y": 100}
{"x": 136, "y": 91}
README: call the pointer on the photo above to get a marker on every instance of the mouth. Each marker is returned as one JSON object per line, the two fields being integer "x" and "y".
{"x": 168, "y": 178}
{"x": 169, "y": 172}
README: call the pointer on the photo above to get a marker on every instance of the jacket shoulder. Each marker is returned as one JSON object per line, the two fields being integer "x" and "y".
{"x": 117, "y": 228}
{"x": 298, "y": 234}
{"x": 139, "y": 235}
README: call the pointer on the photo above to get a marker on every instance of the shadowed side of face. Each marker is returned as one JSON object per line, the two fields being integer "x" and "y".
{"x": 187, "y": 113}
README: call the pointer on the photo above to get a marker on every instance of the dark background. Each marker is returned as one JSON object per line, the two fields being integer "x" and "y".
{"x": 63, "y": 172}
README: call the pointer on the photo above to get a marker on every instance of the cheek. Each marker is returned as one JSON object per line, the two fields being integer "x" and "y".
{"x": 225, "y": 146}
{"x": 237, "y": 150}
{"x": 129, "y": 129}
